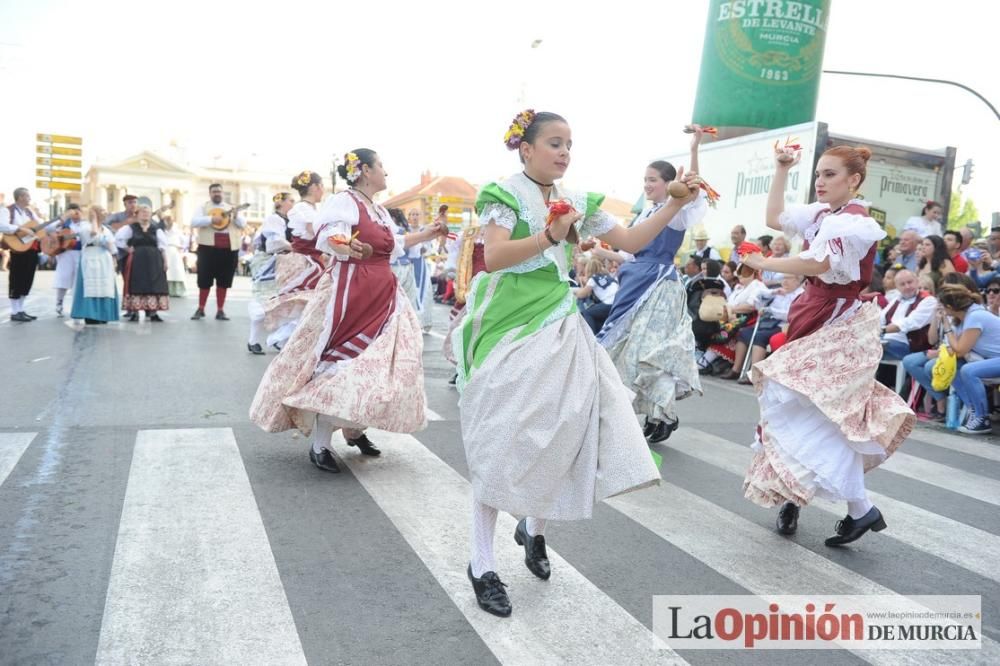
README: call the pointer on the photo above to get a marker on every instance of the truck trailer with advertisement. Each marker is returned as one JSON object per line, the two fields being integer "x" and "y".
{"x": 900, "y": 178}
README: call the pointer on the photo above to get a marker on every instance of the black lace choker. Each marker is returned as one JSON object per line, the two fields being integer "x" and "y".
{"x": 535, "y": 181}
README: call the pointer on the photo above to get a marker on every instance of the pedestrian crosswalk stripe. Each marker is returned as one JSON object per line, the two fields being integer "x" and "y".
{"x": 958, "y": 443}
{"x": 950, "y": 478}
{"x": 760, "y": 560}
{"x": 193, "y": 578}
{"x": 12, "y": 447}
{"x": 432, "y": 415}
{"x": 963, "y": 545}
{"x": 564, "y": 620}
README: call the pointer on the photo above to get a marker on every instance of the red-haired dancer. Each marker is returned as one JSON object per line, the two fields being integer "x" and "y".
{"x": 824, "y": 420}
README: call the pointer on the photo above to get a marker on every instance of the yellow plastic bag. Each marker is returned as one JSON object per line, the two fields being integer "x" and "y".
{"x": 944, "y": 370}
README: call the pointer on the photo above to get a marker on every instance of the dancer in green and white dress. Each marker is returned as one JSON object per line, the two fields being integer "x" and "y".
{"x": 547, "y": 425}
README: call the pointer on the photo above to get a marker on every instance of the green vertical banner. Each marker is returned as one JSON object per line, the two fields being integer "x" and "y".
{"x": 761, "y": 63}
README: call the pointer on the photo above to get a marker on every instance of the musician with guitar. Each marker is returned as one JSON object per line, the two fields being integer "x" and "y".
{"x": 21, "y": 229}
{"x": 116, "y": 221}
{"x": 62, "y": 241}
{"x": 219, "y": 227}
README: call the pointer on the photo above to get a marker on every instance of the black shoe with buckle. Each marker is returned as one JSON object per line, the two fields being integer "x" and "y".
{"x": 490, "y": 593}
{"x": 849, "y": 529}
{"x": 663, "y": 430}
{"x": 788, "y": 519}
{"x": 324, "y": 460}
{"x": 255, "y": 348}
{"x": 364, "y": 445}
{"x": 198, "y": 314}
{"x": 535, "y": 557}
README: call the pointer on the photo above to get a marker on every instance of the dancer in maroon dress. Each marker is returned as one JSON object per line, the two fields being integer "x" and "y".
{"x": 824, "y": 420}
{"x": 354, "y": 360}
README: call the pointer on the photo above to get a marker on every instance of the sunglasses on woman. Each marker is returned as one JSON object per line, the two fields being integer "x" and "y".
{"x": 993, "y": 290}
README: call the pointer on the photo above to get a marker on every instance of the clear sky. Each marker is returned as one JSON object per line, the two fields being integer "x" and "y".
{"x": 433, "y": 84}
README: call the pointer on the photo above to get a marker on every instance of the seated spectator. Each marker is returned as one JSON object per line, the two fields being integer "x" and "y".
{"x": 779, "y": 248}
{"x": 965, "y": 326}
{"x": 981, "y": 267}
{"x": 889, "y": 284}
{"x": 928, "y": 223}
{"x": 773, "y": 306}
{"x": 976, "y": 337}
{"x": 993, "y": 296}
{"x": 728, "y": 274}
{"x": 702, "y": 250}
{"x": 953, "y": 245}
{"x": 738, "y": 236}
{"x": 934, "y": 259}
{"x": 926, "y": 283}
{"x": 906, "y": 319}
{"x": 741, "y": 311}
{"x": 765, "y": 244}
{"x": 599, "y": 289}
{"x": 691, "y": 270}
{"x": 905, "y": 251}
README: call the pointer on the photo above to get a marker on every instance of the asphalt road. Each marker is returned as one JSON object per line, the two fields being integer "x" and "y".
{"x": 144, "y": 519}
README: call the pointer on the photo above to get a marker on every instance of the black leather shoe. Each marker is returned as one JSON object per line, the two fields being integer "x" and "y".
{"x": 849, "y": 530}
{"x": 490, "y": 593}
{"x": 154, "y": 317}
{"x": 788, "y": 519}
{"x": 29, "y": 316}
{"x": 648, "y": 428}
{"x": 221, "y": 315}
{"x": 255, "y": 349}
{"x": 133, "y": 316}
{"x": 663, "y": 430}
{"x": 198, "y": 314}
{"x": 20, "y": 316}
{"x": 364, "y": 445}
{"x": 535, "y": 557}
{"x": 324, "y": 460}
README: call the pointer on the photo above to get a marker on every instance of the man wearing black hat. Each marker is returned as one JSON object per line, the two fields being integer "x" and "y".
{"x": 116, "y": 221}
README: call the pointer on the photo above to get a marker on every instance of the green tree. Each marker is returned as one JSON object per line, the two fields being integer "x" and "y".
{"x": 962, "y": 212}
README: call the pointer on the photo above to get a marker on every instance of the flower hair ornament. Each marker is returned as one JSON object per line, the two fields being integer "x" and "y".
{"x": 515, "y": 134}
{"x": 304, "y": 178}
{"x": 352, "y": 165}
{"x": 279, "y": 197}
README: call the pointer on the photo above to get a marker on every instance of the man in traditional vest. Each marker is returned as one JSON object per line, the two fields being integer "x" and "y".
{"x": 905, "y": 320}
{"x": 23, "y": 265}
{"x": 218, "y": 250}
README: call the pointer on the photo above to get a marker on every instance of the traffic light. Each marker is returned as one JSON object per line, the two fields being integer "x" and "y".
{"x": 967, "y": 172}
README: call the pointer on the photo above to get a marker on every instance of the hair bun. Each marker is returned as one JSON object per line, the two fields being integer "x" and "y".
{"x": 864, "y": 152}
{"x": 342, "y": 171}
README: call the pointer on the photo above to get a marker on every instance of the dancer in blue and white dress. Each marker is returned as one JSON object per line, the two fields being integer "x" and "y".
{"x": 273, "y": 239}
{"x": 648, "y": 331}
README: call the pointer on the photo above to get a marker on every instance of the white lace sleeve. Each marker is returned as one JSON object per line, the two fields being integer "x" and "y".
{"x": 845, "y": 239}
{"x": 598, "y": 224}
{"x": 796, "y": 218}
{"x": 691, "y": 214}
{"x": 502, "y": 216}
{"x": 336, "y": 217}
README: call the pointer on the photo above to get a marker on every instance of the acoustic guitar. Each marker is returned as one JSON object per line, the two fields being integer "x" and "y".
{"x": 226, "y": 215}
{"x": 16, "y": 243}
{"x": 56, "y": 242}
{"x": 115, "y": 226}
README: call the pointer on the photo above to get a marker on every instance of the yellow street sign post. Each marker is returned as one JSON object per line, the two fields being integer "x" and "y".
{"x": 57, "y": 173}
{"x": 58, "y": 150}
{"x": 58, "y": 162}
{"x": 59, "y": 138}
{"x": 58, "y": 185}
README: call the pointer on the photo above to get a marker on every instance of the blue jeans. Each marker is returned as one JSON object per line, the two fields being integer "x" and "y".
{"x": 969, "y": 386}
{"x": 894, "y": 350}
{"x": 919, "y": 367}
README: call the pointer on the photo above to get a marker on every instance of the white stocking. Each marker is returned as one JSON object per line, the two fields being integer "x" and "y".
{"x": 484, "y": 526}
{"x": 17, "y": 305}
{"x": 256, "y": 331}
{"x": 535, "y": 526}
{"x": 859, "y": 508}
{"x": 322, "y": 433}
{"x": 60, "y": 296}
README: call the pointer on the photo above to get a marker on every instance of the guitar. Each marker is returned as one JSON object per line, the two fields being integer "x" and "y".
{"x": 16, "y": 243}
{"x": 56, "y": 242}
{"x": 226, "y": 215}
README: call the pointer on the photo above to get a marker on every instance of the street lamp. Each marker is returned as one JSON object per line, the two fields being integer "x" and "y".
{"x": 919, "y": 78}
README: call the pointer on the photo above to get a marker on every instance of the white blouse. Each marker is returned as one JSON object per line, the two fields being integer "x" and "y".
{"x": 300, "y": 217}
{"x": 124, "y": 235}
{"x": 339, "y": 215}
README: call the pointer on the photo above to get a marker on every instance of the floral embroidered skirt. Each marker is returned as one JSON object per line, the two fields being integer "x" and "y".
{"x": 824, "y": 420}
